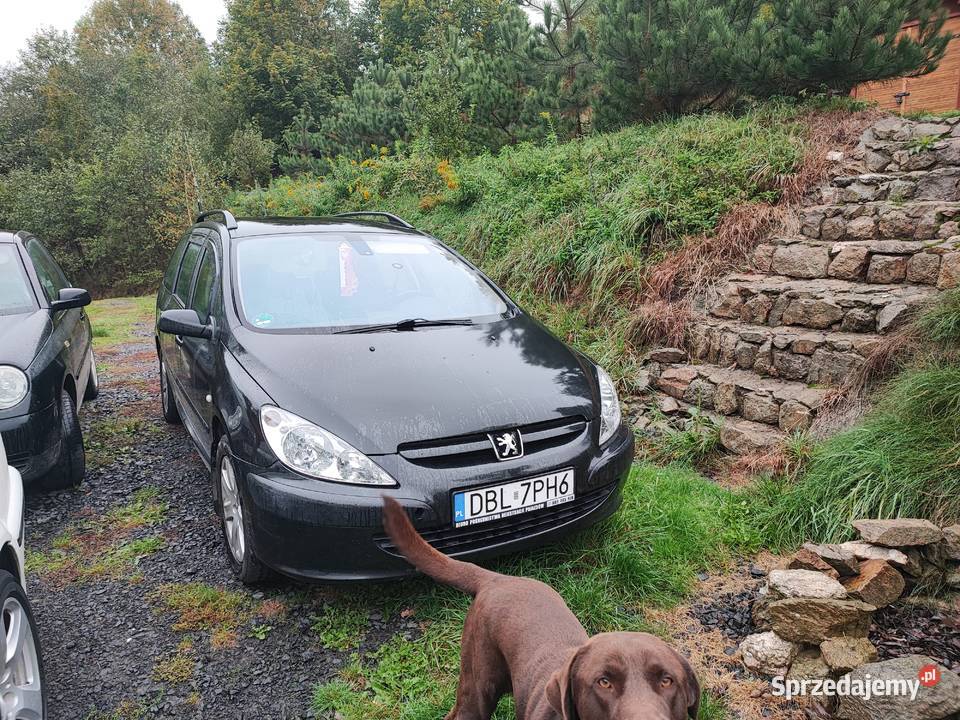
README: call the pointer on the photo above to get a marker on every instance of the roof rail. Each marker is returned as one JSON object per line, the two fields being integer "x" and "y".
{"x": 228, "y": 219}
{"x": 390, "y": 217}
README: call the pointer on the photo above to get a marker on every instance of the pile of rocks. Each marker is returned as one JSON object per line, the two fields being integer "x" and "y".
{"x": 815, "y": 615}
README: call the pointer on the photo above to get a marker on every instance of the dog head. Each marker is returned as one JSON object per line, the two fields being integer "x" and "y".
{"x": 625, "y": 676}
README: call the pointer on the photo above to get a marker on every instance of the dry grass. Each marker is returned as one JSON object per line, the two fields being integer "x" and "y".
{"x": 682, "y": 276}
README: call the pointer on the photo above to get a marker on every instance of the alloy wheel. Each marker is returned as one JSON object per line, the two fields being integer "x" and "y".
{"x": 232, "y": 511}
{"x": 21, "y": 694}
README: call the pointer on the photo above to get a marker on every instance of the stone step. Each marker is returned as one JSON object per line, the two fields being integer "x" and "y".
{"x": 813, "y": 357}
{"x": 937, "y": 184}
{"x": 883, "y": 220}
{"x": 821, "y": 304}
{"x": 788, "y": 406}
{"x": 871, "y": 261}
{"x": 921, "y": 153}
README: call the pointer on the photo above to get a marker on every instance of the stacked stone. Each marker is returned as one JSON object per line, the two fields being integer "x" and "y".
{"x": 868, "y": 250}
{"x": 815, "y": 615}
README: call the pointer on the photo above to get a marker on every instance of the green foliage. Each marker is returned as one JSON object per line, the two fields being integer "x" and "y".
{"x": 249, "y": 157}
{"x": 941, "y": 323}
{"x": 672, "y": 525}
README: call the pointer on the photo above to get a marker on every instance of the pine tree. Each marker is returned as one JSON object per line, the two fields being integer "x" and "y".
{"x": 561, "y": 50}
{"x": 797, "y": 46}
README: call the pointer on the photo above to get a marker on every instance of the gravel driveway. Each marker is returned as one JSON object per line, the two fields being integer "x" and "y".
{"x": 139, "y": 614}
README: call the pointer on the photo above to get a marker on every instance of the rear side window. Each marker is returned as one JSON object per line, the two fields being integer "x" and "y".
{"x": 170, "y": 276}
{"x": 51, "y": 276}
{"x": 16, "y": 296}
{"x": 206, "y": 278}
{"x": 189, "y": 264}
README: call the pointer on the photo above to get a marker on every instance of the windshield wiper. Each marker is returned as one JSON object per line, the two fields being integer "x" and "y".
{"x": 408, "y": 324}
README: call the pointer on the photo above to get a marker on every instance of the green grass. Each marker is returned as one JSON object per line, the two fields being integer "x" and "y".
{"x": 340, "y": 626}
{"x": 673, "y": 524}
{"x": 567, "y": 229}
{"x": 902, "y": 460}
{"x": 941, "y": 323}
{"x": 202, "y": 607}
{"x": 120, "y": 320}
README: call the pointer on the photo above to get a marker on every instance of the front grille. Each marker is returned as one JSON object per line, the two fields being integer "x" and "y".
{"x": 475, "y": 449}
{"x": 453, "y": 541}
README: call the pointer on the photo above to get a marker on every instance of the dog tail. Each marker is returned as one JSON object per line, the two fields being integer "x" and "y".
{"x": 456, "y": 573}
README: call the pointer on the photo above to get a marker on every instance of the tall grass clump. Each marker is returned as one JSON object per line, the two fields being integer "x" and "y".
{"x": 901, "y": 460}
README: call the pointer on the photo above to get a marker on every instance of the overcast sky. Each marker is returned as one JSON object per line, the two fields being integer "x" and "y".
{"x": 22, "y": 18}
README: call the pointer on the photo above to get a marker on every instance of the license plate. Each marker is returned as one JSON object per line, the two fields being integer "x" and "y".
{"x": 495, "y": 502}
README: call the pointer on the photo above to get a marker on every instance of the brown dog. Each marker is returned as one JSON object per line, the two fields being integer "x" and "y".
{"x": 520, "y": 637}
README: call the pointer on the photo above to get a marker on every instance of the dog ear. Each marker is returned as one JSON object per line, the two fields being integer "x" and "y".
{"x": 560, "y": 689}
{"x": 692, "y": 686}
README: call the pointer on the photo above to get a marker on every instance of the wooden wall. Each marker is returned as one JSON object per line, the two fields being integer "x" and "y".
{"x": 938, "y": 91}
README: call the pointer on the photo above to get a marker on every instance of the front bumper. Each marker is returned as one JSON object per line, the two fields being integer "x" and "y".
{"x": 32, "y": 442}
{"x": 327, "y": 532}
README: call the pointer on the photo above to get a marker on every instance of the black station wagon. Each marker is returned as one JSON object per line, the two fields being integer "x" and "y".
{"x": 320, "y": 363}
{"x": 47, "y": 367}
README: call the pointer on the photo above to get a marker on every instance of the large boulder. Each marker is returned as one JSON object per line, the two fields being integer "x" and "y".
{"x": 768, "y": 654}
{"x": 900, "y": 532}
{"x": 846, "y": 654}
{"x": 813, "y": 620}
{"x": 878, "y": 584}
{"x": 938, "y": 702}
{"x": 803, "y": 584}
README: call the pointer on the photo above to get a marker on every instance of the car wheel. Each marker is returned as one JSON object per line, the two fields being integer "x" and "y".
{"x": 235, "y": 523}
{"x": 23, "y": 691}
{"x": 170, "y": 412}
{"x": 71, "y": 467}
{"x": 92, "y": 390}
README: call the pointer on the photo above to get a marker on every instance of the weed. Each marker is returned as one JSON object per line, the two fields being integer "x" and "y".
{"x": 340, "y": 626}
{"x": 920, "y": 144}
{"x": 175, "y": 669}
{"x": 222, "y": 638}
{"x": 941, "y": 323}
{"x": 203, "y": 607}
{"x": 272, "y": 609}
{"x": 261, "y": 632}
{"x": 111, "y": 437}
{"x": 120, "y": 320}
{"x": 126, "y": 710}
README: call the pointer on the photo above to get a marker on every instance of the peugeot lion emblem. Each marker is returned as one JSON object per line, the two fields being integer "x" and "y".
{"x": 507, "y": 444}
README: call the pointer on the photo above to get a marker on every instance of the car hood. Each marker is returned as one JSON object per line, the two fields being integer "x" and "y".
{"x": 379, "y": 390}
{"x": 22, "y": 336}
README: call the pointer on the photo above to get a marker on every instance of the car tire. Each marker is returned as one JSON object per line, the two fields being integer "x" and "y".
{"x": 71, "y": 466}
{"x": 24, "y": 687}
{"x": 235, "y": 524}
{"x": 92, "y": 391}
{"x": 170, "y": 412}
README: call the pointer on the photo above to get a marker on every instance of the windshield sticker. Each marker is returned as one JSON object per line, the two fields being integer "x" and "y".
{"x": 263, "y": 319}
{"x": 348, "y": 276}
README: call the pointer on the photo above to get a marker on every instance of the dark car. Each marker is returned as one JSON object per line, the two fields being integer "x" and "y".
{"x": 47, "y": 367}
{"x": 320, "y": 363}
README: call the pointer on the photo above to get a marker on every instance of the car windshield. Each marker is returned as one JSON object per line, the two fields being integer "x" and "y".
{"x": 338, "y": 280}
{"x": 15, "y": 293}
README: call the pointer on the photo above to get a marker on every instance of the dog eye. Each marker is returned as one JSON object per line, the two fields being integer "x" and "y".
{"x": 666, "y": 681}
{"x": 604, "y": 683}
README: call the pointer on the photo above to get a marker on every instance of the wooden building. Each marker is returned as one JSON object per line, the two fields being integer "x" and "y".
{"x": 938, "y": 91}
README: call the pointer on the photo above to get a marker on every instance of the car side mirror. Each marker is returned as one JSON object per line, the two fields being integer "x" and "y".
{"x": 185, "y": 323}
{"x": 70, "y": 298}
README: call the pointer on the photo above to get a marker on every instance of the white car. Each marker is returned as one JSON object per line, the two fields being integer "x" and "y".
{"x": 23, "y": 692}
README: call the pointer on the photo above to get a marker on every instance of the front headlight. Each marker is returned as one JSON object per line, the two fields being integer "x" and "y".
{"x": 609, "y": 406}
{"x": 13, "y": 386}
{"x": 311, "y": 450}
